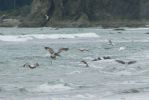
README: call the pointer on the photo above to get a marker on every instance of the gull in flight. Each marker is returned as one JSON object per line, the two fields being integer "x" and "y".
{"x": 128, "y": 63}
{"x": 55, "y": 54}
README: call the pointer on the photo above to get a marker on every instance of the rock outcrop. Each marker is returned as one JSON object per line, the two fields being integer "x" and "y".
{"x": 83, "y": 13}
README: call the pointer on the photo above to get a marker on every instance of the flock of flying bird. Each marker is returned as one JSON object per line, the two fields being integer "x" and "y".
{"x": 54, "y": 55}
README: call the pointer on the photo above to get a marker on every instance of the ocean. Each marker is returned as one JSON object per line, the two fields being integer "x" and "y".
{"x": 67, "y": 78}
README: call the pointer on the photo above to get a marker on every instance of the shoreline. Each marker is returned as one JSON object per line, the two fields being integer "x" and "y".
{"x": 75, "y": 24}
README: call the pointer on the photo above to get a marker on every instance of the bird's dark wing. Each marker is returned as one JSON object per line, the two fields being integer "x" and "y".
{"x": 132, "y": 62}
{"x": 46, "y": 48}
{"x": 62, "y": 49}
{"x": 85, "y": 63}
{"x": 26, "y": 64}
{"x": 106, "y": 57}
{"x": 120, "y": 61}
{"x": 95, "y": 60}
{"x": 50, "y": 50}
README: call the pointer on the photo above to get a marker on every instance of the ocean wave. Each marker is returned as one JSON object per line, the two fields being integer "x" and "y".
{"x": 43, "y": 88}
{"x": 78, "y": 97}
{"x": 73, "y": 72}
{"x": 27, "y": 57}
{"x": 1, "y": 89}
{"x": 12, "y": 88}
{"x": 23, "y": 38}
{"x": 23, "y": 90}
{"x": 46, "y": 87}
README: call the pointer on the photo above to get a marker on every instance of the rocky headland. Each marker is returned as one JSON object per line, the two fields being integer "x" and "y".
{"x": 86, "y": 13}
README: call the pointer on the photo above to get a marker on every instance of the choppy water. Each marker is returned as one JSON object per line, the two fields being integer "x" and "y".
{"x": 67, "y": 78}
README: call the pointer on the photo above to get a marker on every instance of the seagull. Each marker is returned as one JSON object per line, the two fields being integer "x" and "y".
{"x": 31, "y": 66}
{"x": 55, "y": 54}
{"x": 83, "y": 49}
{"x": 84, "y": 62}
{"x": 122, "y": 48}
{"x": 123, "y": 62}
{"x": 47, "y": 17}
{"x": 96, "y": 59}
{"x": 102, "y": 58}
{"x": 110, "y": 42}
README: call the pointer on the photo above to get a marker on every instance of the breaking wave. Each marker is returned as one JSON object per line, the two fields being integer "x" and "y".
{"x": 51, "y": 88}
{"x": 23, "y": 38}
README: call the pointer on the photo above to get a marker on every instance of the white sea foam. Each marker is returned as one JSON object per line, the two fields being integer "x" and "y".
{"x": 51, "y": 88}
{"x": 14, "y": 38}
{"x": 74, "y": 72}
{"x": 140, "y": 28}
{"x": 131, "y": 96}
{"x": 122, "y": 48}
{"x": 78, "y": 97}
{"x": 23, "y": 38}
{"x": 128, "y": 96}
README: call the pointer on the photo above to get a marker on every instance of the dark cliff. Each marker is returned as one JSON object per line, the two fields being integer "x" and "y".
{"x": 12, "y": 4}
{"x": 14, "y": 8}
{"x": 80, "y": 13}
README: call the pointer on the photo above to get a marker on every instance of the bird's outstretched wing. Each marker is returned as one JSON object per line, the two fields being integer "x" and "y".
{"x": 62, "y": 49}
{"x": 84, "y": 62}
{"x": 26, "y": 64}
{"x": 106, "y": 57}
{"x": 95, "y": 60}
{"x": 120, "y": 61}
{"x": 132, "y": 62}
{"x": 49, "y": 49}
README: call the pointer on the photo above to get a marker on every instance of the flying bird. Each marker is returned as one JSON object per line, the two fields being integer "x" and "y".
{"x": 84, "y": 62}
{"x": 123, "y": 62}
{"x": 55, "y": 54}
{"x": 31, "y": 66}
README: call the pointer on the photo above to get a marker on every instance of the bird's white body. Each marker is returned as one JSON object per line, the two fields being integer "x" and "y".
{"x": 122, "y": 48}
